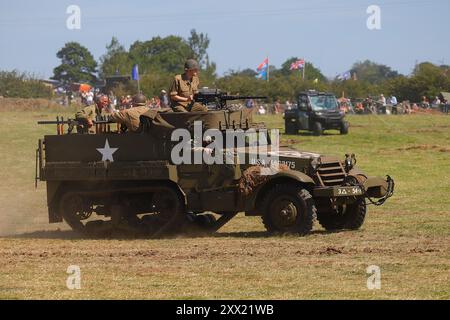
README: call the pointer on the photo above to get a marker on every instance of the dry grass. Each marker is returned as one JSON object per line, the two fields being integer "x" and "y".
{"x": 409, "y": 238}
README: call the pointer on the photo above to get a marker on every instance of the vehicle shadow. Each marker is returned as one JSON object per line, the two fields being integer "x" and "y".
{"x": 72, "y": 235}
{"x": 47, "y": 234}
{"x": 311, "y": 134}
{"x": 265, "y": 234}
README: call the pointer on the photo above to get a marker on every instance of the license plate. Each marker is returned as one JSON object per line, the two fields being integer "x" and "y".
{"x": 349, "y": 191}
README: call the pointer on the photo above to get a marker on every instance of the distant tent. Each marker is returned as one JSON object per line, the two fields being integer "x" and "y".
{"x": 446, "y": 95}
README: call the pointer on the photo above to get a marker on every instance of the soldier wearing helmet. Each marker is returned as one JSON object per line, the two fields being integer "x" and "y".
{"x": 88, "y": 114}
{"x": 184, "y": 87}
{"x": 129, "y": 118}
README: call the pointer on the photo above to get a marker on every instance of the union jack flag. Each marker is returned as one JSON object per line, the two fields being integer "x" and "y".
{"x": 299, "y": 64}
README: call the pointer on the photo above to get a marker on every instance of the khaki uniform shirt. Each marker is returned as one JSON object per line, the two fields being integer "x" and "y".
{"x": 182, "y": 87}
{"x": 87, "y": 113}
{"x": 130, "y": 117}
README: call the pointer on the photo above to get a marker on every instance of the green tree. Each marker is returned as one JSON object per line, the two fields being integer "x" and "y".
{"x": 115, "y": 60}
{"x": 160, "y": 55}
{"x": 199, "y": 43}
{"x": 373, "y": 72}
{"x": 77, "y": 64}
{"x": 430, "y": 79}
{"x": 311, "y": 72}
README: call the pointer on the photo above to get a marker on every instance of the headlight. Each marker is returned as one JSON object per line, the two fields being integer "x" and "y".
{"x": 315, "y": 163}
{"x": 319, "y": 113}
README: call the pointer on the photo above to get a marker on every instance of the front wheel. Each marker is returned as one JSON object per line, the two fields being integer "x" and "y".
{"x": 349, "y": 216}
{"x": 291, "y": 128}
{"x": 288, "y": 208}
{"x": 344, "y": 127}
{"x": 317, "y": 128}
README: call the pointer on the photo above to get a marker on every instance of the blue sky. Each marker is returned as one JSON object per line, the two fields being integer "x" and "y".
{"x": 330, "y": 34}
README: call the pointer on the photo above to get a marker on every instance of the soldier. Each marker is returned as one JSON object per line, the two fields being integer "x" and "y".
{"x": 130, "y": 117}
{"x": 88, "y": 114}
{"x": 183, "y": 88}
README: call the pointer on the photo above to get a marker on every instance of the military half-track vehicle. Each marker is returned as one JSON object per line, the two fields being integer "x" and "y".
{"x": 111, "y": 180}
{"x": 315, "y": 112}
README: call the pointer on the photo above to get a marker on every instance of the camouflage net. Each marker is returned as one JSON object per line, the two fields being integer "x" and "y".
{"x": 255, "y": 176}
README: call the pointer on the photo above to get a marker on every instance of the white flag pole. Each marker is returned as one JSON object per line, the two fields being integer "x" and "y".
{"x": 304, "y": 67}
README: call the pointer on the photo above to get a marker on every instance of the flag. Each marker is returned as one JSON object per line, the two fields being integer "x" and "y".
{"x": 135, "y": 72}
{"x": 345, "y": 76}
{"x": 262, "y": 69}
{"x": 299, "y": 64}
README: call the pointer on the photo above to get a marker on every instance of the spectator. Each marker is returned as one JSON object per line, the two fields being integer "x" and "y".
{"x": 277, "y": 107}
{"x": 157, "y": 102}
{"x": 112, "y": 99}
{"x": 359, "y": 108}
{"x": 125, "y": 102}
{"x": 261, "y": 110}
{"x": 249, "y": 103}
{"x": 393, "y": 100}
{"x": 445, "y": 106}
{"x": 382, "y": 100}
{"x": 164, "y": 99}
{"x": 89, "y": 98}
{"x": 436, "y": 101}
{"x": 288, "y": 105}
{"x": 382, "y": 104}
{"x": 425, "y": 103}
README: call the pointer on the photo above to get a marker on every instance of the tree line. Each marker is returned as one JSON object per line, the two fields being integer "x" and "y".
{"x": 161, "y": 57}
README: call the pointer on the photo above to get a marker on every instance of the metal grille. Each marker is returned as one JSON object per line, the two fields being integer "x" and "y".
{"x": 331, "y": 173}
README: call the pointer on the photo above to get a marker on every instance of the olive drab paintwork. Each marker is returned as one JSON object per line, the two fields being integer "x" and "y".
{"x": 129, "y": 181}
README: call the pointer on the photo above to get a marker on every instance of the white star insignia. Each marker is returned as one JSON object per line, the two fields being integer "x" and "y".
{"x": 107, "y": 152}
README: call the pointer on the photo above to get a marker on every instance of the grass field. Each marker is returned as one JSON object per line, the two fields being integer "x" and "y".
{"x": 408, "y": 238}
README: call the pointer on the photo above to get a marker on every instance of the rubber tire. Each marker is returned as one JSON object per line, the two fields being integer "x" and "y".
{"x": 290, "y": 128}
{"x": 72, "y": 221}
{"x": 317, "y": 129}
{"x": 303, "y": 202}
{"x": 205, "y": 221}
{"x": 344, "y": 127}
{"x": 353, "y": 217}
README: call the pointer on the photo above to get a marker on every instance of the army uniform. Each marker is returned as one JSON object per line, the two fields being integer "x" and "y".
{"x": 130, "y": 117}
{"x": 83, "y": 116}
{"x": 184, "y": 87}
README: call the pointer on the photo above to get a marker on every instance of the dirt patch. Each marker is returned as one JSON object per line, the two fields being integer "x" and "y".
{"x": 289, "y": 142}
{"x": 331, "y": 251}
{"x": 425, "y": 147}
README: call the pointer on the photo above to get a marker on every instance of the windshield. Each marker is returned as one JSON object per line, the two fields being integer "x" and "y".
{"x": 323, "y": 102}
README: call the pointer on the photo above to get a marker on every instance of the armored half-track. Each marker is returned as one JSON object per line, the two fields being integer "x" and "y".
{"x": 138, "y": 182}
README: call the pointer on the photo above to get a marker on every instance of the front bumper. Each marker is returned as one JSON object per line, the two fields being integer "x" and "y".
{"x": 372, "y": 188}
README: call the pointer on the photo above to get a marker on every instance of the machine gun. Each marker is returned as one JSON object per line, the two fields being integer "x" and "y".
{"x": 218, "y": 98}
{"x": 100, "y": 124}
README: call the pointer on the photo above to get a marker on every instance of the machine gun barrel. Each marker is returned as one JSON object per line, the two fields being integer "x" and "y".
{"x": 226, "y": 97}
{"x": 215, "y": 96}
